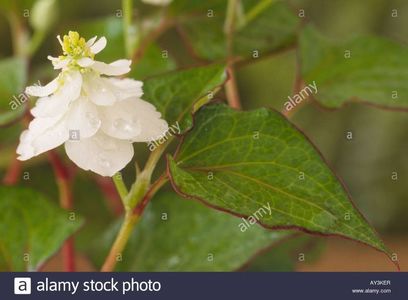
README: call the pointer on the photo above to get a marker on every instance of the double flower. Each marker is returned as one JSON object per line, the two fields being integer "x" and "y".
{"x": 95, "y": 116}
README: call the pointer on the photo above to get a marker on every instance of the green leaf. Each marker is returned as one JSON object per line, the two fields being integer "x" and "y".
{"x": 12, "y": 81}
{"x": 175, "y": 94}
{"x": 31, "y": 229}
{"x": 240, "y": 161}
{"x": 180, "y": 235}
{"x": 9, "y": 117}
{"x": 268, "y": 29}
{"x": 375, "y": 72}
{"x": 284, "y": 256}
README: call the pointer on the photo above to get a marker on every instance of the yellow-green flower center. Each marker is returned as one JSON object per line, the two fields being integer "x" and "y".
{"x": 75, "y": 46}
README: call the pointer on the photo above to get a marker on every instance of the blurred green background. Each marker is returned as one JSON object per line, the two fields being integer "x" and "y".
{"x": 365, "y": 163}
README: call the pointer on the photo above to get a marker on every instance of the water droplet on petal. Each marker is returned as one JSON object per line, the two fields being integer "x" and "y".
{"x": 103, "y": 161}
{"x": 125, "y": 126}
{"x": 92, "y": 119}
{"x": 106, "y": 144}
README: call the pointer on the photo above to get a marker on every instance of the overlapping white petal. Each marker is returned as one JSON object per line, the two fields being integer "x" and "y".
{"x": 132, "y": 119}
{"x": 85, "y": 62}
{"x": 43, "y": 91}
{"x": 95, "y": 89}
{"x": 59, "y": 63}
{"x": 100, "y": 153}
{"x": 91, "y": 41}
{"x": 118, "y": 67}
{"x": 126, "y": 88}
{"x": 106, "y": 114}
{"x": 25, "y": 150}
{"x": 58, "y": 103}
{"x": 33, "y": 143}
{"x": 83, "y": 116}
{"x": 107, "y": 91}
{"x": 98, "y": 46}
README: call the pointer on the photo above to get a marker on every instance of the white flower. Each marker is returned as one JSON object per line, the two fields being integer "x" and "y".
{"x": 96, "y": 117}
{"x": 157, "y": 2}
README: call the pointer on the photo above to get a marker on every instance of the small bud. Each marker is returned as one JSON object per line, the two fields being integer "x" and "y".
{"x": 43, "y": 14}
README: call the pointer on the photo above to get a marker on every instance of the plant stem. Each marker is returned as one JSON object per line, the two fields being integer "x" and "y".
{"x": 111, "y": 194}
{"x": 229, "y": 25}
{"x": 162, "y": 180}
{"x": 36, "y": 41}
{"x": 120, "y": 242}
{"x": 127, "y": 7}
{"x": 131, "y": 219}
{"x": 154, "y": 158}
{"x": 18, "y": 34}
{"x": 13, "y": 172}
{"x": 120, "y": 186}
{"x": 231, "y": 87}
{"x": 257, "y": 9}
{"x": 135, "y": 201}
{"x": 297, "y": 86}
{"x": 66, "y": 202}
{"x": 142, "y": 183}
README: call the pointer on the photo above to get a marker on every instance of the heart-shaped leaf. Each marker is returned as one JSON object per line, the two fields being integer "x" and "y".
{"x": 365, "y": 69}
{"x": 175, "y": 94}
{"x": 241, "y": 161}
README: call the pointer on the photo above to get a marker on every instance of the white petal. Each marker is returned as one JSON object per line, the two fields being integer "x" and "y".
{"x": 59, "y": 63}
{"x": 99, "y": 45}
{"x": 83, "y": 116}
{"x": 39, "y": 125}
{"x": 91, "y": 41}
{"x": 97, "y": 90}
{"x": 106, "y": 91}
{"x": 42, "y": 91}
{"x": 51, "y": 138}
{"x": 58, "y": 103}
{"x": 133, "y": 119}
{"x": 60, "y": 40}
{"x": 35, "y": 141}
{"x": 119, "y": 67}
{"x": 100, "y": 153}
{"x": 85, "y": 62}
{"x": 51, "y": 58}
{"x": 126, "y": 88}
{"x": 25, "y": 150}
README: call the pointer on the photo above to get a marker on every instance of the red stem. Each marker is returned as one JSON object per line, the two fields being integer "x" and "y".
{"x": 138, "y": 210}
{"x": 13, "y": 172}
{"x": 66, "y": 202}
{"x": 111, "y": 195}
{"x": 231, "y": 88}
{"x": 297, "y": 86}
